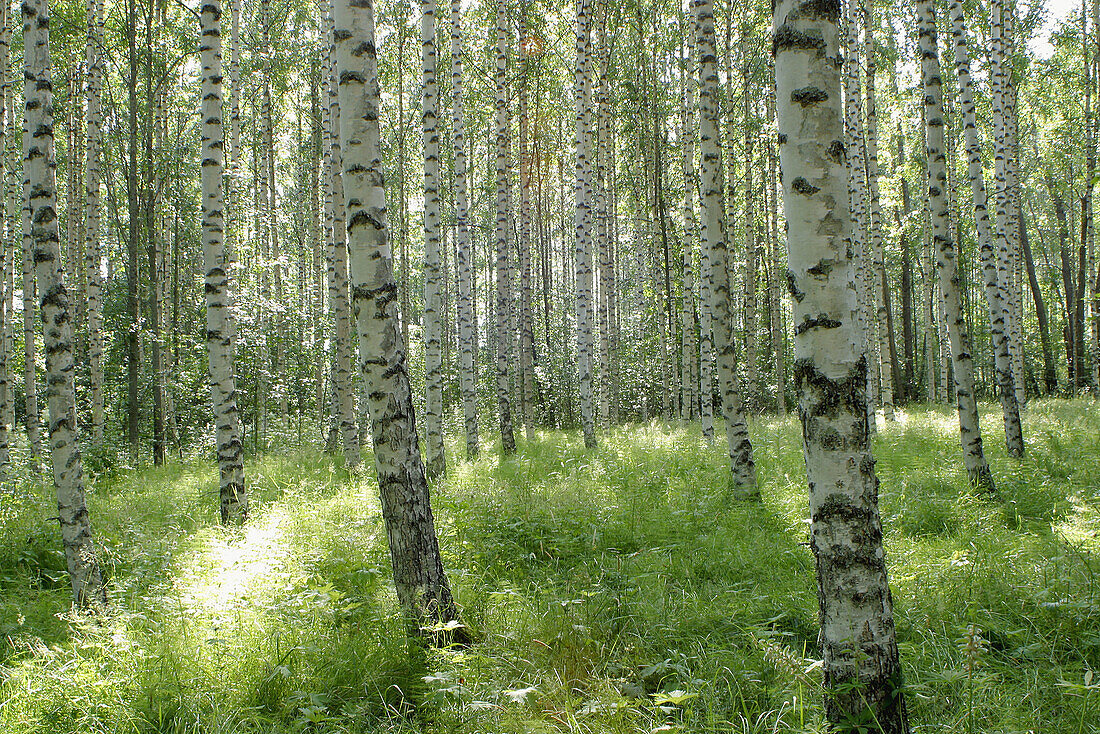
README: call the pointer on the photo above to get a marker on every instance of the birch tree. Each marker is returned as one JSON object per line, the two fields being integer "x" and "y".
{"x": 863, "y": 678}
{"x": 343, "y": 350}
{"x": 39, "y": 166}
{"x": 33, "y": 418}
{"x": 466, "y": 325}
{"x": 977, "y": 468}
{"x": 775, "y": 302}
{"x": 582, "y": 90}
{"x": 994, "y": 293}
{"x": 605, "y": 247}
{"x": 689, "y": 399}
{"x": 526, "y": 336}
{"x": 92, "y": 250}
{"x": 752, "y": 378}
{"x": 219, "y": 296}
{"x": 742, "y": 467}
{"x": 502, "y": 235}
{"x": 434, "y": 460}
{"x": 422, "y": 588}
{"x": 1014, "y": 286}
{"x": 857, "y": 190}
{"x": 998, "y": 82}
{"x": 874, "y": 220}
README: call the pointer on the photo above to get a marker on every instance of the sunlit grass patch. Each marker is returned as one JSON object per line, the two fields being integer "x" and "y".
{"x": 616, "y": 590}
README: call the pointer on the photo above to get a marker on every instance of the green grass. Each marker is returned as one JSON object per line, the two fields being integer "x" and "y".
{"x": 615, "y": 590}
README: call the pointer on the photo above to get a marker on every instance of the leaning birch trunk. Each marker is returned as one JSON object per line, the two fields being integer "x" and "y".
{"x": 219, "y": 296}
{"x": 466, "y": 338}
{"x": 418, "y": 575}
{"x": 38, "y": 172}
{"x": 863, "y": 679}
{"x": 874, "y": 221}
{"x": 434, "y": 458}
{"x": 339, "y": 299}
{"x": 742, "y": 468}
{"x": 994, "y": 294}
{"x": 582, "y": 91}
{"x": 503, "y": 231}
{"x": 946, "y": 255}
{"x": 92, "y": 249}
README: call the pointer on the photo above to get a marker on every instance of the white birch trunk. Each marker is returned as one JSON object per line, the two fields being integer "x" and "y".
{"x": 752, "y": 370}
{"x": 422, "y": 588}
{"x": 706, "y": 320}
{"x": 1092, "y": 273}
{"x": 503, "y": 236}
{"x": 232, "y": 179}
{"x": 604, "y": 246}
{"x": 946, "y": 254}
{"x": 93, "y": 252}
{"x": 344, "y": 351}
{"x": 689, "y": 399}
{"x": 1015, "y": 290}
{"x": 993, "y": 292}
{"x": 863, "y": 678}
{"x": 775, "y": 293}
{"x": 219, "y": 294}
{"x": 39, "y": 165}
{"x": 1001, "y": 154}
{"x": 466, "y": 337}
{"x": 611, "y": 279}
{"x": 742, "y": 468}
{"x": 857, "y": 196}
{"x": 582, "y": 91}
{"x": 30, "y": 352}
{"x": 434, "y": 458}
{"x": 526, "y": 337}
{"x": 12, "y": 166}
{"x": 874, "y": 211}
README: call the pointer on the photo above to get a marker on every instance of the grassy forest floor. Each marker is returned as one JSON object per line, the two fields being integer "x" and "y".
{"x": 618, "y": 590}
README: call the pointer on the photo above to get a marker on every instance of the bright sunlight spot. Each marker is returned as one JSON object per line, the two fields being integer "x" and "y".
{"x": 226, "y": 572}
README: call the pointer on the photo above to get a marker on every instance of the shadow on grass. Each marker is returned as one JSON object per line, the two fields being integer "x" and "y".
{"x": 634, "y": 564}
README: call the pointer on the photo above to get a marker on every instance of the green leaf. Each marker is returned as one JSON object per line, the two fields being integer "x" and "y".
{"x": 674, "y": 698}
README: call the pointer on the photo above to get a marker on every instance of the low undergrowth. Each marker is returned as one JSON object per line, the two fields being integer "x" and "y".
{"x": 615, "y": 590}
